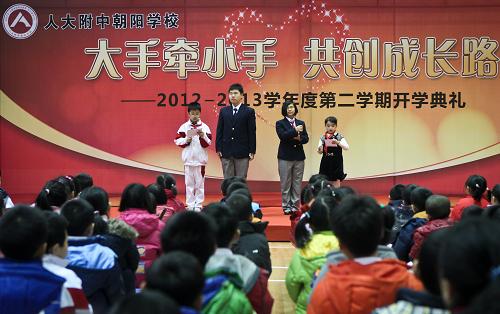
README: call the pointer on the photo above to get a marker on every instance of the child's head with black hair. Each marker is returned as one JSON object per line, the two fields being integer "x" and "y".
{"x": 52, "y": 194}
{"x": 57, "y": 239}
{"x": 472, "y": 211}
{"x": 317, "y": 177}
{"x": 194, "y": 112}
{"x": 407, "y": 193}
{"x": 342, "y": 192}
{"x": 396, "y": 192}
{"x": 389, "y": 220}
{"x": 437, "y": 207}
{"x": 98, "y": 198}
{"x": 319, "y": 185}
{"x": 306, "y": 195}
{"x": 136, "y": 196}
{"x": 191, "y": 232}
{"x": 159, "y": 193}
{"x": 427, "y": 269}
{"x": 242, "y": 191}
{"x": 493, "y": 212}
{"x": 100, "y": 225}
{"x": 80, "y": 216}
{"x": 331, "y": 124}
{"x": 418, "y": 198}
{"x": 240, "y": 206}
{"x": 487, "y": 300}
{"x": 69, "y": 185}
{"x": 178, "y": 275}
{"x": 23, "y": 233}
{"x": 236, "y": 186}
{"x": 82, "y": 181}
{"x": 476, "y": 186}
{"x": 469, "y": 259}
{"x": 227, "y": 182}
{"x": 146, "y": 302}
{"x": 167, "y": 182}
{"x": 318, "y": 219}
{"x": 358, "y": 224}
{"x": 494, "y": 195}
{"x": 227, "y": 224}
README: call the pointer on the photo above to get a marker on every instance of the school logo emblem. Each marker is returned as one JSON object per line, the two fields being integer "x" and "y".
{"x": 20, "y": 21}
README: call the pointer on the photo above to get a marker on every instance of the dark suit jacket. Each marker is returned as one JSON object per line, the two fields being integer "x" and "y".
{"x": 236, "y": 134}
{"x": 290, "y": 148}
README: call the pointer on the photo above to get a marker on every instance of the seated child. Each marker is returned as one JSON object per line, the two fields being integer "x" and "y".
{"x": 438, "y": 211}
{"x": 94, "y": 263}
{"x": 364, "y": 281}
{"x": 194, "y": 233}
{"x": 312, "y": 249}
{"x": 238, "y": 267}
{"x": 25, "y": 285}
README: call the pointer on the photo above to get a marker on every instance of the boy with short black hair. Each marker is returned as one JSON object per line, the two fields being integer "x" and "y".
{"x": 253, "y": 242}
{"x": 365, "y": 281}
{"x": 438, "y": 210}
{"x": 94, "y": 263}
{"x": 223, "y": 261}
{"x": 194, "y": 136}
{"x": 194, "y": 233}
{"x": 180, "y": 276}
{"x": 25, "y": 285}
{"x": 54, "y": 261}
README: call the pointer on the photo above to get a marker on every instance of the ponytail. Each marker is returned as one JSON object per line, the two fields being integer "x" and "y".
{"x": 477, "y": 186}
{"x": 303, "y": 231}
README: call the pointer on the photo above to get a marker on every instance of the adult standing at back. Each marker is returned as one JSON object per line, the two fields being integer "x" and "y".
{"x": 292, "y": 134}
{"x": 236, "y": 139}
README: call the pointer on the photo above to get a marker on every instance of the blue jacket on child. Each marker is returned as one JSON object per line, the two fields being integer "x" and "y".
{"x": 404, "y": 240}
{"x": 99, "y": 270}
{"x": 27, "y": 287}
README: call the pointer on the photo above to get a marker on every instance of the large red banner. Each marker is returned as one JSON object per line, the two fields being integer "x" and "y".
{"x": 102, "y": 88}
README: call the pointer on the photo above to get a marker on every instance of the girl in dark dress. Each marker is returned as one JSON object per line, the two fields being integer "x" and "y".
{"x": 330, "y": 146}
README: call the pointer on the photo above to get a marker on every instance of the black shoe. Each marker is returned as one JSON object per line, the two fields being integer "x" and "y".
{"x": 287, "y": 211}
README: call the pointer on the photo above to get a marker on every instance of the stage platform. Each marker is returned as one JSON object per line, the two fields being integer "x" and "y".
{"x": 270, "y": 202}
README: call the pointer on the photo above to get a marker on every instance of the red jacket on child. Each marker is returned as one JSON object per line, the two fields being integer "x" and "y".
{"x": 354, "y": 288}
{"x": 423, "y": 232}
{"x": 456, "y": 212}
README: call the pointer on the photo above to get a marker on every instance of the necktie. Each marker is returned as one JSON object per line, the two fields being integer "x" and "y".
{"x": 235, "y": 111}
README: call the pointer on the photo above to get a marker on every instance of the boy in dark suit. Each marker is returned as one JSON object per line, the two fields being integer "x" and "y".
{"x": 236, "y": 139}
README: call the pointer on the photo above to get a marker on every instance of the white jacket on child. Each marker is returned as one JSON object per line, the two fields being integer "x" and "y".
{"x": 194, "y": 153}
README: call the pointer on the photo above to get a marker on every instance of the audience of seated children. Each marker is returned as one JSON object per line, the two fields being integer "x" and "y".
{"x": 224, "y": 261}
{"x": 146, "y": 302}
{"x": 253, "y": 242}
{"x": 95, "y": 264}
{"x": 364, "y": 281}
{"x": 54, "y": 260}
{"x": 426, "y": 269}
{"x": 167, "y": 182}
{"x": 194, "y": 233}
{"x": 437, "y": 208}
{"x": 475, "y": 187}
{"x": 178, "y": 275}
{"x": 311, "y": 249}
{"x": 404, "y": 239}
{"x": 25, "y": 285}
{"x": 469, "y": 263}
{"x": 137, "y": 211}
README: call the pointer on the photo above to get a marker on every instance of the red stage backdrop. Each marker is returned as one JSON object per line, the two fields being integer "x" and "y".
{"x": 101, "y": 87}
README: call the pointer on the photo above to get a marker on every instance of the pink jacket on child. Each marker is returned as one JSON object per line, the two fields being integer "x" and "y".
{"x": 148, "y": 242}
